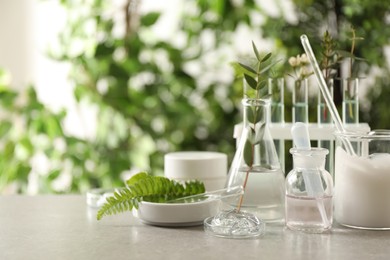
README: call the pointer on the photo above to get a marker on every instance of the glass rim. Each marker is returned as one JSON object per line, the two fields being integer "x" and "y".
{"x": 378, "y": 134}
{"x": 256, "y": 101}
{"x": 313, "y": 151}
{"x": 349, "y": 78}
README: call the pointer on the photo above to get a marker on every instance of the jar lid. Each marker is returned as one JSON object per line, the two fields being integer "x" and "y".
{"x": 195, "y": 164}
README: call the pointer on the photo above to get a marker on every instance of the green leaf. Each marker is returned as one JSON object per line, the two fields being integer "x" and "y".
{"x": 254, "y": 114}
{"x": 266, "y": 57}
{"x": 259, "y": 134}
{"x": 256, "y": 52}
{"x": 246, "y": 67}
{"x": 268, "y": 67}
{"x": 262, "y": 84}
{"x": 248, "y": 153}
{"x": 150, "y": 18}
{"x": 240, "y": 71}
{"x": 263, "y": 93}
{"x": 137, "y": 177}
{"x": 251, "y": 81}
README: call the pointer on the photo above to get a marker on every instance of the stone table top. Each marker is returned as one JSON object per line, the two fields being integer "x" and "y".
{"x": 64, "y": 227}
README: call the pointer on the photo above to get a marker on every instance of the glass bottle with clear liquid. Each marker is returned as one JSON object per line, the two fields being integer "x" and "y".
{"x": 309, "y": 192}
{"x": 256, "y": 165}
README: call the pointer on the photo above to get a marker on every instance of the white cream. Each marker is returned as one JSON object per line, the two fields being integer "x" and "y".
{"x": 362, "y": 190}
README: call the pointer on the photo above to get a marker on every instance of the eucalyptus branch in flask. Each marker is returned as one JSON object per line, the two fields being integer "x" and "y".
{"x": 256, "y": 77}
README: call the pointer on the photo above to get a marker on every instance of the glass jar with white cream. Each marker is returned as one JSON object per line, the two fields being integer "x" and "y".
{"x": 362, "y": 180}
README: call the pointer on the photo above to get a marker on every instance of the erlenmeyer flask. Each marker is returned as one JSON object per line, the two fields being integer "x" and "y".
{"x": 256, "y": 165}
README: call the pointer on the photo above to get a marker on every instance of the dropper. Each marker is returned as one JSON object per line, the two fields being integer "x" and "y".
{"x": 312, "y": 179}
{"x": 325, "y": 92}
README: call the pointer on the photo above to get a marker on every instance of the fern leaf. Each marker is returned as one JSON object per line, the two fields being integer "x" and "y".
{"x": 137, "y": 177}
{"x": 144, "y": 187}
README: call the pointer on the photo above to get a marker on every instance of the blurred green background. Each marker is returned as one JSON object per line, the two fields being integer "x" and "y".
{"x": 155, "y": 95}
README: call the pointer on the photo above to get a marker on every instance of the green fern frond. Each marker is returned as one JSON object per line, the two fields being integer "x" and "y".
{"x": 144, "y": 187}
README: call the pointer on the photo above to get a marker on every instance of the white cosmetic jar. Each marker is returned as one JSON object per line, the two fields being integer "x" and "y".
{"x": 207, "y": 167}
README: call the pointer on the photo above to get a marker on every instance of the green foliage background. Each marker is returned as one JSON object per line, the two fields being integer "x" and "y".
{"x": 149, "y": 103}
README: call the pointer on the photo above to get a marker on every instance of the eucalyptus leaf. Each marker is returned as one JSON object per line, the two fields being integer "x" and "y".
{"x": 268, "y": 67}
{"x": 262, "y": 84}
{"x": 259, "y": 133}
{"x": 266, "y": 57}
{"x": 256, "y": 52}
{"x": 240, "y": 71}
{"x": 251, "y": 81}
{"x": 251, "y": 135}
{"x": 253, "y": 114}
{"x": 248, "y": 153}
{"x": 246, "y": 67}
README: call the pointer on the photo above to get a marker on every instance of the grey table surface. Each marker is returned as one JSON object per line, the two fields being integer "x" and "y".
{"x": 64, "y": 227}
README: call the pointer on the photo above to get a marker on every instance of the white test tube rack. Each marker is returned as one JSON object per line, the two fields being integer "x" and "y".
{"x": 282, "y": 132}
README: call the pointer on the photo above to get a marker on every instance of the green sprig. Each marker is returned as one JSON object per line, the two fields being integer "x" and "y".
{"x": 144, "y": 187}
{"x": 256, "y": 76}
{"x": 330, "y": 57}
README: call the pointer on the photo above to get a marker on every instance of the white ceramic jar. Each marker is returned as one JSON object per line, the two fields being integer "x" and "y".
{"x": 208, "y": 167}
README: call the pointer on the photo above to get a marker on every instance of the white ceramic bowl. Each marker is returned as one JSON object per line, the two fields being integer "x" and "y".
{"x": 176, "y": 214}
{"x": 208, "y": 167}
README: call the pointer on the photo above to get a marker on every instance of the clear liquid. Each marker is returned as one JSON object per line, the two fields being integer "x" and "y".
{"x": 323, "y": 114}
{"x": 350, "y": 112}
{"x": 264, "y": 194}
{"x": 277, "y": 113}
{"x": 300, "y": 112}
{"x": 302, "y": 213}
